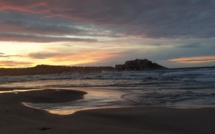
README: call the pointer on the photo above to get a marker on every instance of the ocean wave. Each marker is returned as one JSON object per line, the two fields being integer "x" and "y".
{"x": 175, "y": 75}
{"x": 162, "y": 98}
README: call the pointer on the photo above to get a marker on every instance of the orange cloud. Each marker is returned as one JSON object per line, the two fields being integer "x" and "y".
{"x": 80, "y": 58}
{"x": 14, "y": 64}
{"x": 194, "y": 60}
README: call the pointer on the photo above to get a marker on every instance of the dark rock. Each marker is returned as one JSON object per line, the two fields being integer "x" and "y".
{"x": 45, "y": 128}
{"x": 139, "y": 64}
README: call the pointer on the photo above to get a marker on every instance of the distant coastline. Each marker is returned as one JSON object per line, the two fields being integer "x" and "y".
{"x": 132, "y": 65}
{"x": 50, "y": 69}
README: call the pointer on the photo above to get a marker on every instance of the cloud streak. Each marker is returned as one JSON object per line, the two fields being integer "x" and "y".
{"x": 192, "y": 45}
{"x": 41, "y": 38}
{"x": 10, "y": 63}
{"x": 194, "y": 60}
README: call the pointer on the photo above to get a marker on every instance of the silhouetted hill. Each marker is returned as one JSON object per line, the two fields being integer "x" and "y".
{"x": 48, "y": 69}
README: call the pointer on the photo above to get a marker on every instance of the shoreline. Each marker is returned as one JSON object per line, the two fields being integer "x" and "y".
{"x": 17, "y": 118}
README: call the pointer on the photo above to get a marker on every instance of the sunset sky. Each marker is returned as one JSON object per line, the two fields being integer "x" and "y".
{"x": 173, "y": 33}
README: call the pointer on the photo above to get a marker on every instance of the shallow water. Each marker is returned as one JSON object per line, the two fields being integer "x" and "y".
{"x": 94, "y": 99}
{"x": 173, "y": 88}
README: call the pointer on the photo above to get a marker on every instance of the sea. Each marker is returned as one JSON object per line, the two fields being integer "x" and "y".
{"x": 176, "y": 88}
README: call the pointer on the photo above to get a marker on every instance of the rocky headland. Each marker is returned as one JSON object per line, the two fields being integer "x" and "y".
{"x": 139, "y": 64}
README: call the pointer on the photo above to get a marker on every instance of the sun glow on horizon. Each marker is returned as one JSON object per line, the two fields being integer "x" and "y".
{"x": 32, "y": 54}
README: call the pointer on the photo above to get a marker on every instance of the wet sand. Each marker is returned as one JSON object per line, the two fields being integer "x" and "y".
{"x": 16, "y": 118}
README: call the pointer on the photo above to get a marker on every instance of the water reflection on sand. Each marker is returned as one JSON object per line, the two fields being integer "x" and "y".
{"x": 94, "y": 99}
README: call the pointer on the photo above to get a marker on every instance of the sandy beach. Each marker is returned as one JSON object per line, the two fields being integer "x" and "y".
{"x": 16, "y": 118}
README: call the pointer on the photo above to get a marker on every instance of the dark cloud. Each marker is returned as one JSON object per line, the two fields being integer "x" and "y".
{"x": 158, "y": 44}
{"x": 154, "y": 18}
{"x": 14, "y": 22}
{"x": 42, "y": 55}
{"x": 39, "y": 28}
{"x": 192, "y": 45}
{"x": 34, "y": 24}
{"x": 3, "y": 55}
